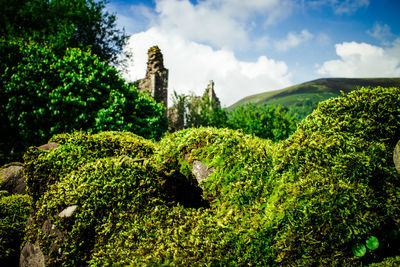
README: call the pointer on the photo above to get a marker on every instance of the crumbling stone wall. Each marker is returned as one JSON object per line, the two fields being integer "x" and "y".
{"x": 156, "y": 80}
{"x": 189, "y": 105}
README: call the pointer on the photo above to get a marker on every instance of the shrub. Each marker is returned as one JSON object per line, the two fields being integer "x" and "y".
{"x": 46, "y": 95}
{"x": 268, "y": 122}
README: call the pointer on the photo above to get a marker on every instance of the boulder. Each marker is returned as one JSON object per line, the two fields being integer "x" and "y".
{"x": 31, "y": 256}
{"x": 12, "y": 178}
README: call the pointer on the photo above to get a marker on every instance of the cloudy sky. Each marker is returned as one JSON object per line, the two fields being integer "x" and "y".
{"x": 253, "y": 46}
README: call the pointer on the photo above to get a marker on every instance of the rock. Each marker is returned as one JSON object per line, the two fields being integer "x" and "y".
{"x": 12, "y": 178}
{"x": 396, "y": 157}
{"x": 49, "y": 146}
{"x": 68, "y": 212}
{"x": 201, "y": 171}
{"x": 50, "y": 229}
{"x": 31, "y": 256}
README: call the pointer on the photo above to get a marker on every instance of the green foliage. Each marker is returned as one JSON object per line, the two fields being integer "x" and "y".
{"x": 390, "y": 261}
{"x": 44, "y": 95}
{"x": 63, "y": 23}
{"x": 204, "y": 112}
{"x": 189, "y": 111}
{"x": 267, "y": 122}
{"x": 14, "y": 212}
{"x": 326, "y": 196}
{"x": 130, "y": 110}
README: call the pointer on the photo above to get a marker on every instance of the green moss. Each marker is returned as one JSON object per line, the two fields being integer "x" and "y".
{"x": 388, "y": 262}
{"x": 305, "y": 201}
{"x": 14, "y": 211}
{"x": 241, "y": 162}
{"x": 43, "y": 168}
{"x": 337, "y": 182}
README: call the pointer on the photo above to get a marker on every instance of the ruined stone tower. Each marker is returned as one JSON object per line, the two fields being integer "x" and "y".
{"x": 156, "y": 80}
{"x": 212, "y": 97}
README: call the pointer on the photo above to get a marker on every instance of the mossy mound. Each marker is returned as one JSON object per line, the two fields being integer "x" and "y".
{"x": 338, "y": 185}
{"x": 14, "y": 211}
{"x": 321, "y": 197}
{"x": 241, "y": 162}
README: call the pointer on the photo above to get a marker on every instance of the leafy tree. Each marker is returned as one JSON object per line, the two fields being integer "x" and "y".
{"x": 64, "y": 23}
{"x": 177, "y": 113}
{"x": 44, "y": 94}
{"x": 203, "y": 112}
{"x": 189, "y": 111}
{"x": 130, "y": 110}
{"x": 267, "y": 122}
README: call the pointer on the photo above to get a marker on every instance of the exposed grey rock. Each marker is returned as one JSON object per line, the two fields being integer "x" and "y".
{"x": 12, "y": 178}
{"x": 68, "y": 212}
{"x": 50, "y": 229}
{"x": 49, "y": 146}
{"x": 31, "y": 256}
{"x": 201, "y": 171}
{"x": 396, "y": 156}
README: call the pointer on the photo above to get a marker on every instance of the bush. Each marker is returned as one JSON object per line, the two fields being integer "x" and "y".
{"x": 268, "y": 122}
{"x": 14, "y": 212}
{"x": 46, "y": 95}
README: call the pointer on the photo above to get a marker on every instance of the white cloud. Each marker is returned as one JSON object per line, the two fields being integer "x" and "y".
{"x": 340, "y": 7}
{"x": 380, "y": 32}
{"x": 348, "y": 6}
{"x": 323, "y": 39}
{"x": 191, "y": 65}
{"x": 363, "y": 60}
{"x": 293, "y": 40}
{"x": 221, "y": 23}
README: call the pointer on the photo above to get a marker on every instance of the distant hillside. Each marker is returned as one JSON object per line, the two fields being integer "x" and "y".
{"x": 304, "y": 98}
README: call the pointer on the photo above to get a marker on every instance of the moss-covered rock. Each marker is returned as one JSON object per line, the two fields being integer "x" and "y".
{"x": 328, "y": 195}
{"x": 338, "y": 184}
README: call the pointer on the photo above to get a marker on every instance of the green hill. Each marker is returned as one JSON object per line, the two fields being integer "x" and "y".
{"x": 304, "y": 98}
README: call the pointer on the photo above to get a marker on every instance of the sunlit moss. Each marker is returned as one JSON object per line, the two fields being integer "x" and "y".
{"x": 304, "y": 201}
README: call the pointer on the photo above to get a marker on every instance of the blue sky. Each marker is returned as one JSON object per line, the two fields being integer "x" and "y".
{"x": 253, "y": 46}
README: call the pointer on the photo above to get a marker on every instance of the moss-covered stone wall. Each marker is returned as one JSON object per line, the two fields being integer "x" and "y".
{"x": 328, "y": 195}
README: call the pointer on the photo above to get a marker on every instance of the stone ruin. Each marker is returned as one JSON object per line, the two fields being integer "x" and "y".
{"x": 156, "y": 80}
{"x": 156, "y": 85}
{"x": 176, "y": 114}
{"x": 211, "y": 95}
